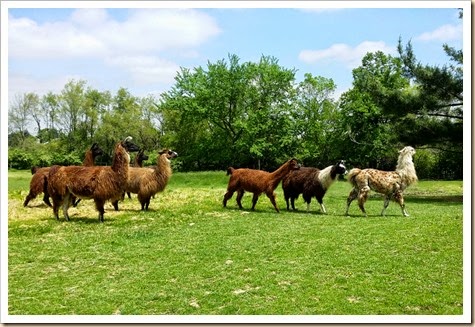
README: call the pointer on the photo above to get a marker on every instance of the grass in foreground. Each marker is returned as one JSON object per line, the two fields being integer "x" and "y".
{"x": 188, "y": 255}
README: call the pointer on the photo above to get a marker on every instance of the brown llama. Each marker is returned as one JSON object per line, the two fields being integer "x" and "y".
{"x": 147, "y": 181}
{"x": 390, "y": 183}
{"x": 101, "y": 183}
{"x": 257, "y": 182}
{"x": 138, "y": 162}
{"x": 311, "y": 182}
{"x": 39, "y": 180}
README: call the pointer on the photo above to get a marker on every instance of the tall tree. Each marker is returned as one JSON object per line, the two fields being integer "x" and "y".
{"x": 370, "y": 134}
{"x": 432, "y": 110}
{"x": 19, "y": 114}
{"x": 316, "y": 119}
{"x": 234, "y": 112}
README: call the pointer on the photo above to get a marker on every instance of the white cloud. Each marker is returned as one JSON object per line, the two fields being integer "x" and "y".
{"x": 135, "y": 45}
{"x": 343, "y": 53}
{"x": 146, "y": 69}
{"x": 444, "y": 33}
{"x": 94, "y": 33}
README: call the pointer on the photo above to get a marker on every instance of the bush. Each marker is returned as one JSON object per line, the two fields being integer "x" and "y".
{"x": 19, "y": 159}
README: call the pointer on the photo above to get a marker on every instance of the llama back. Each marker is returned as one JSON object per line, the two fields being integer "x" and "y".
{"x": 251, "y": 180}
{"x": 296, "y": 180}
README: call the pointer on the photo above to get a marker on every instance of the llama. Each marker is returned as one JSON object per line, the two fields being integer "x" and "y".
{"x": 39, "y": 181}
{"x": 138, "y": 162}
{"x": 311, "y": 182}
{"x": 148, "y": 181}
{"x": 257, "y": 182}
{"x": 100, "y": 183}
{"x": 390, "y": 183}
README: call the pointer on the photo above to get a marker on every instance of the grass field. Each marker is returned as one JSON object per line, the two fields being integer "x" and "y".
{"x": 190, "y": 256}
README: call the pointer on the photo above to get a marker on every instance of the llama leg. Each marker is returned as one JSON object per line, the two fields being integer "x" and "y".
{"x": 115, "y": 204}
{"x": 56, "y": 205}
{"x": 353, "y": 195}
{"x": 322, "y": 207}
{"x": 28, "y": 198}
{"x": 362, "y": 197}
{"x": 287, "y": 201}
{"x": 308, "y": 200}
{"x": 76, "y": 202}
{"x": 271, "y": 197}
{"x": 240, "y": 194}
{"x": 66, "y": 203}
{"x": 147, "y": 203}
{"x": 255, "y": 197}
{"x": 46, "y": 199}
{"x": 100, "y": 207}
{"x": 292, "y": 203}
{"x": 387, "y": 199}
{"x": 227, "y": 196}
{"x": 400, "y": 199}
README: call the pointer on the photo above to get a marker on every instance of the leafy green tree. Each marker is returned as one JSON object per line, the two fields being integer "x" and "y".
{"x": 230, "y": 113}
{"x": 432, "y": 110}
{"x": 370, "y": 135}
{"x": 50, "y": 106}
{"x": 316, "y": 120}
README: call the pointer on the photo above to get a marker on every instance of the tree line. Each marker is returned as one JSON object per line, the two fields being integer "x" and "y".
{"x": 255, "y": 114}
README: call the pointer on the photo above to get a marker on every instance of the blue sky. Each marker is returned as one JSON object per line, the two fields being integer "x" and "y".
{"x": 141, "y": 49}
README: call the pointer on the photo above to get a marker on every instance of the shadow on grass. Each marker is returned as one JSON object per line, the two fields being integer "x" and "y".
{"x": 446, "y": 199}
{"x": 39, "y": 205}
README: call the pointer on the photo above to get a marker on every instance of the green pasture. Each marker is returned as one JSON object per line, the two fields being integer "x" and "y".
{"x": 190, "y": 256}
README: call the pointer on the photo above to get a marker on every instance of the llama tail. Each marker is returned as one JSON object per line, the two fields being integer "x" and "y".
{"x": 34, "y": 169}
{"x": 230, "y": 171}
{"x": 352, "y": 174}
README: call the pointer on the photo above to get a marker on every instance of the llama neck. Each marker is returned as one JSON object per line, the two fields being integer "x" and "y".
{"x": 280, "y": 173}
{"x": 163, "y": 166}
{"x": 137, "y": 162}
{"x": 89, "y": 159}
{"x": 121, "y": 160}
{"x": 405, "y": 169}
{"x": 327, "y": 176}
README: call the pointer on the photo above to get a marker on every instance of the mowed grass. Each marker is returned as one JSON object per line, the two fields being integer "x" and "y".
{"x": 190, "y": 256}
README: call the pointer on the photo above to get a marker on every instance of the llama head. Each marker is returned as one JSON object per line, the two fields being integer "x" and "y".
{"x": 128, "y": 145}
{"x": 294, "y": 164}
{"x": 142, "y": 156}
{"x": 169, "y": 154}
{"x": 340, "y": 168}
{"x": 96, "y": 150}
{"x": 407, "y": 151}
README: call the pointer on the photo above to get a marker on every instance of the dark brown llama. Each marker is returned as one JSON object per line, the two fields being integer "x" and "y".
{"x": 311, "y": 182}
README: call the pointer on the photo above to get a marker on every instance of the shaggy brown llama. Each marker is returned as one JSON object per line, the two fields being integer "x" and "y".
{"x": 311, "y": 182}
{"x": 101, "y": 183}
{"x": 39, "y": 180}
{"x": 390, "y": 183}
{"x": 148, "y": 181}
{"x": 257, "y": 182}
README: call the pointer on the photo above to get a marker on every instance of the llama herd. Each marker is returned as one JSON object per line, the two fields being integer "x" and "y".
{"x": 66, "y": 185}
